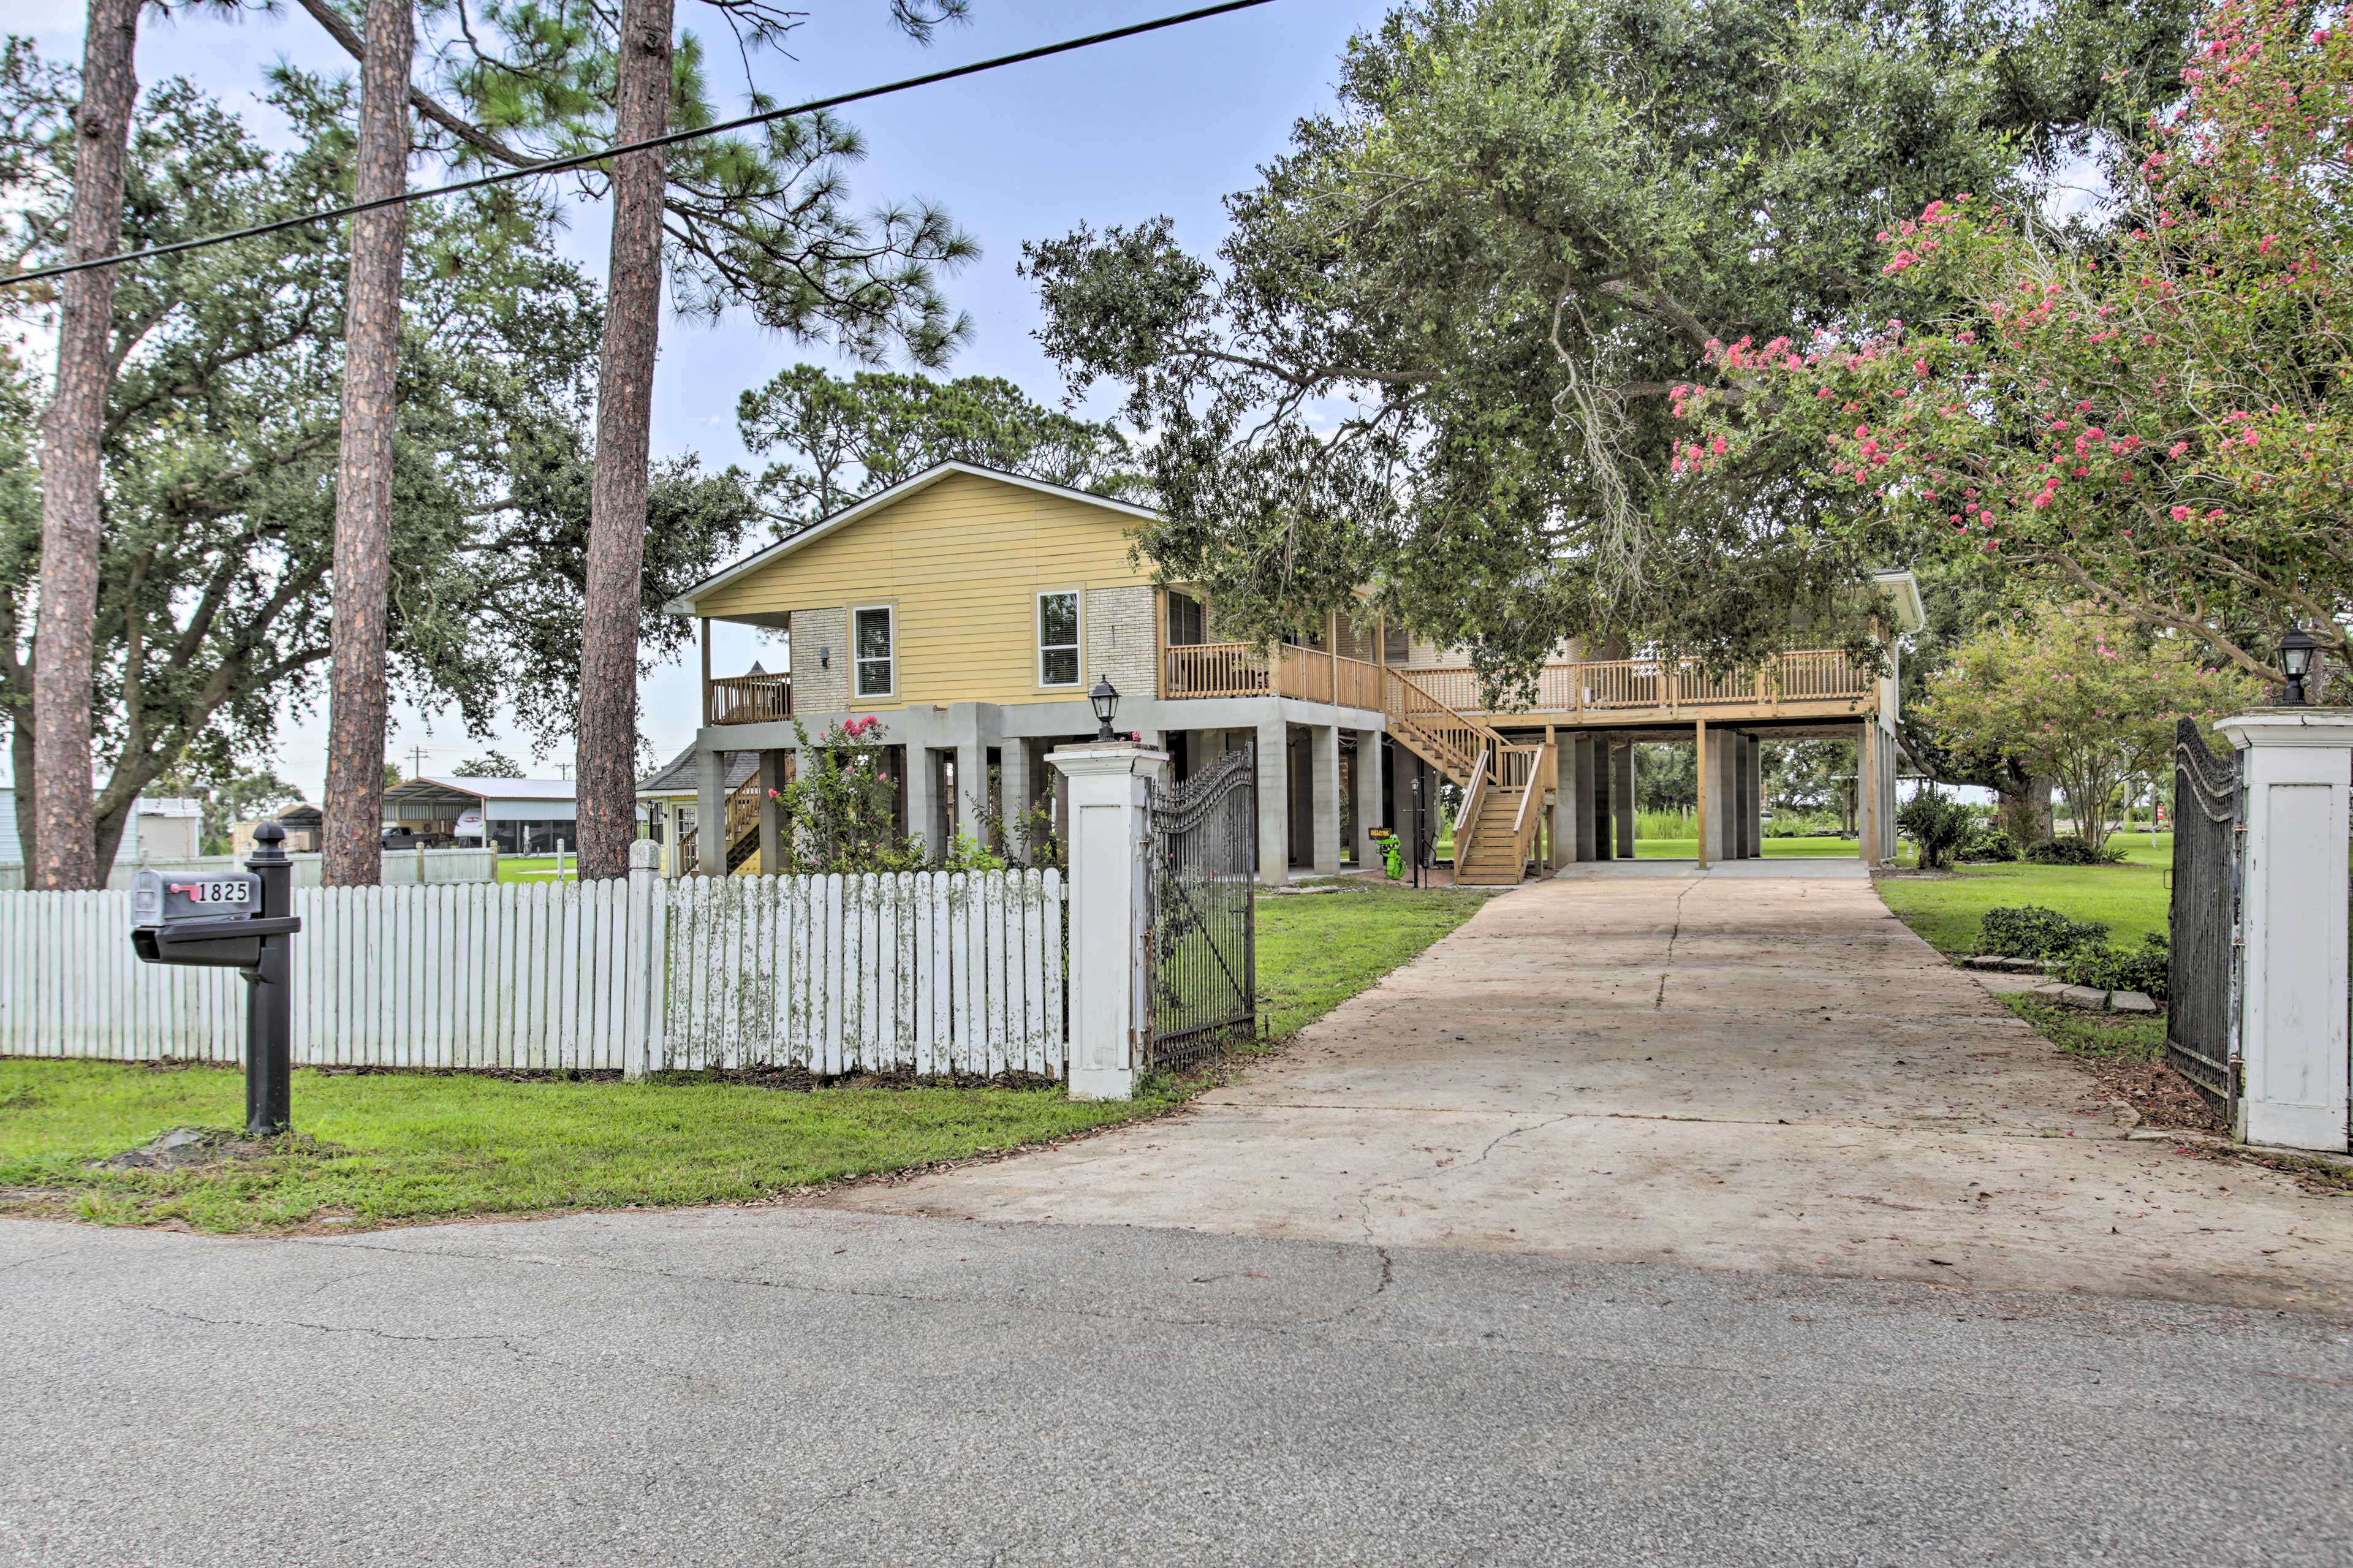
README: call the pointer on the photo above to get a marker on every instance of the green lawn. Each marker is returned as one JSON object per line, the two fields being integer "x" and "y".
{"x": 1315, "y": 951}
{"x": 1775, "y": 848}
{"x": 535, "y": 868}
{"x": 2130, "y": 898}
{"x": 406, "y": 1146}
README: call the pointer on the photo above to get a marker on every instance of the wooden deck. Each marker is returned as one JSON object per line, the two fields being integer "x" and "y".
{"x": 1814, "y": 683}
{"x": 747, "y": 699}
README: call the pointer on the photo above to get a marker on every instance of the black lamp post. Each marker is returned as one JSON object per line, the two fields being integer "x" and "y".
{"x": 2295, "y": 652}
{"x": 1105, "y": 697}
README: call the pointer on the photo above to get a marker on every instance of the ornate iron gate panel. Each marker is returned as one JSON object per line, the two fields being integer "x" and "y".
{"x": 1200, "y": 878}
{"x": 2202, "y": 978}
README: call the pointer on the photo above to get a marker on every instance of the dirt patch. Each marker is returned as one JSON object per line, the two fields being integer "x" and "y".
{"x": 202, "y": 1148}
{"x": 504, "y": 1075}
{"x": 800, "y": 1080}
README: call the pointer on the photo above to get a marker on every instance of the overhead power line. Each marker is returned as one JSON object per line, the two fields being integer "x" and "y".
{"x": 580, "y": 160}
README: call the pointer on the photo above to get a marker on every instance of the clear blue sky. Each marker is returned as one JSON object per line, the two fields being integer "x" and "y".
{"x": 1168, "y": 124}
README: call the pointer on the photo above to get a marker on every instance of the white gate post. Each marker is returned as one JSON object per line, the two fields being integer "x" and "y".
{"x": 1110, "y": 1012}
{"x": 2292, "y": 1013}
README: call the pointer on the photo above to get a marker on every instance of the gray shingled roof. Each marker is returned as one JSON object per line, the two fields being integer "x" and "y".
{"x": 678, "y": 775}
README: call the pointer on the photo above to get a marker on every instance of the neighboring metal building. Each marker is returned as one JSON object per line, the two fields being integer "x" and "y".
{"x": 522, "y": 816}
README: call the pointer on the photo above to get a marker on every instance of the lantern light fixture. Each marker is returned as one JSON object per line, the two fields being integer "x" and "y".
{"x": 2296, "y": 655}
{"x": 1105, "y": 698}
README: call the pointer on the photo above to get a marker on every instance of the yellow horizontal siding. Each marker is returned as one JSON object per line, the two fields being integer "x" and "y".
{"x": 962, "y": 562}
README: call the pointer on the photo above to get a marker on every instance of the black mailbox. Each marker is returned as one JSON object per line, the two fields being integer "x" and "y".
{"x": 211, "y": 917}
{"x": 234, "y": 919}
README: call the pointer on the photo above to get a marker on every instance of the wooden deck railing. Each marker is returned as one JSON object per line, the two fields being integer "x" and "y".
{"x": 750, "y": 699}
{"x": 1814, "y": 675}
{"x": 1233, "y": 669}
{"x": 1236, "y": 670}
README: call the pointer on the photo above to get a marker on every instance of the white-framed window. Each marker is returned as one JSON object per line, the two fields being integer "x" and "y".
{"x": 873, "y": 644}
{"x": 1058, "y": 638}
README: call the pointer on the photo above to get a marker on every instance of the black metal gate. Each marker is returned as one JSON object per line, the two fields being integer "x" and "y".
{"x": 2203, "y": 979}
{"x": 1200, "y": 874}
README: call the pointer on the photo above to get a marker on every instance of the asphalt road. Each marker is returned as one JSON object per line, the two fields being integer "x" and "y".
{"x": 796, "y": 1385}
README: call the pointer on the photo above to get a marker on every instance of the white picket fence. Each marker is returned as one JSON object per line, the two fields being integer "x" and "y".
{"x": 929, "y": 972}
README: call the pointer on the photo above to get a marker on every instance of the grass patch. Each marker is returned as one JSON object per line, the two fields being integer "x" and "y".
{"x": 410, "y": 1146}
{"x": 2097, "y": 1036}
{"x": 2130, "y": 898}
{"x": 1314, "y": 951}
{"x": 537, "y": 868}
{"x": 402, "y": 1147}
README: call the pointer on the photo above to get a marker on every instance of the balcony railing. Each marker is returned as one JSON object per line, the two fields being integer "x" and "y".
{"x": 1233, "y": 669}
{"x": 751, "y": 698}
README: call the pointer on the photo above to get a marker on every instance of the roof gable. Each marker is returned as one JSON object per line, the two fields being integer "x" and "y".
{"x": 879, "y": 500}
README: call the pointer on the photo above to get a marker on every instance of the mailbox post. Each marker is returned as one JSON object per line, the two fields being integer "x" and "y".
{"x": 241, "y": 921}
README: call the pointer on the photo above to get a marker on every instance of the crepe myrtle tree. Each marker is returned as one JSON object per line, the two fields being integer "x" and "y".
{"x": 2084, "y": 696}
{"x": 1436, "y": 350}
{"x": 2155, "y": 415}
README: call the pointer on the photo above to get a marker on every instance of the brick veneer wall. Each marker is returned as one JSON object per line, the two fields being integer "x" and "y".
{"x": 1120, "y": 640}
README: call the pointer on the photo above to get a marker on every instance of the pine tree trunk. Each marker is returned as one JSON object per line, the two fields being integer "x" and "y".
{"x": 608, "y": 731}
{"x": 72, "y": 475}
{"x": 355, "y": 724}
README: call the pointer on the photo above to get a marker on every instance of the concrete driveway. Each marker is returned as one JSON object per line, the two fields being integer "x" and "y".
{"x": 1757, "y": 1067}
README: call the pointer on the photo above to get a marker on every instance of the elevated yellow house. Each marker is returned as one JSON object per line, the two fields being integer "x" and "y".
{"x": 970, "y": 611}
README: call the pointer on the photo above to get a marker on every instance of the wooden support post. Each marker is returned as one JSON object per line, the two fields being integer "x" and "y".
{"x": 706, "y": 669}
{"x": 1699, "y": 733}
{"x": 1866, "y": 795}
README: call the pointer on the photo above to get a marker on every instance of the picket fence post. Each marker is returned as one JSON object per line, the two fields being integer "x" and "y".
{"x": 648, "y": 960}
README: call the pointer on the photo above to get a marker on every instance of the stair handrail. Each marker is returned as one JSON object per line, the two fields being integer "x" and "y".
{"x": 1543, "y": 776}
{"x": 1473, "y": 793}
{"x": 1396, "y": 690}
{"x": 1530, "y": 796}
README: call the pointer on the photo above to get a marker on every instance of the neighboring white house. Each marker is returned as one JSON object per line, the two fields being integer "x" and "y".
{"x": 162, "y": 830}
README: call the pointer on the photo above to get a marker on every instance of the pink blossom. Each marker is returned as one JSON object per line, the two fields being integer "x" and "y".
{"x": 2181, "y": 514}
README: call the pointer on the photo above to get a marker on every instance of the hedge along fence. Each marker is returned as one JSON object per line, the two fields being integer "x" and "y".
{"x": 928, "y": 972}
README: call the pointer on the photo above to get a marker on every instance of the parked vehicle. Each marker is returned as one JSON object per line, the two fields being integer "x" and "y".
{"x": 403, "y": 839}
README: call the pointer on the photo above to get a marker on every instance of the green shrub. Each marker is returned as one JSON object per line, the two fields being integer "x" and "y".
{"x": 2073, "y": 849}
{"x": 1986, "y": 844}
{"x": 1802, "y": 824}
{"x": 1666, "y": 824}
{"x": 2105, "y": 968}
{"x": 1936, "y": 822}
{"x": 2030, "y": 930}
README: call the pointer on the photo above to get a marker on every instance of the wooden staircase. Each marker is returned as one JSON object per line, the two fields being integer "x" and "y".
{"x": 743, "y": 833}
{"x": 1504, "y": 785}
